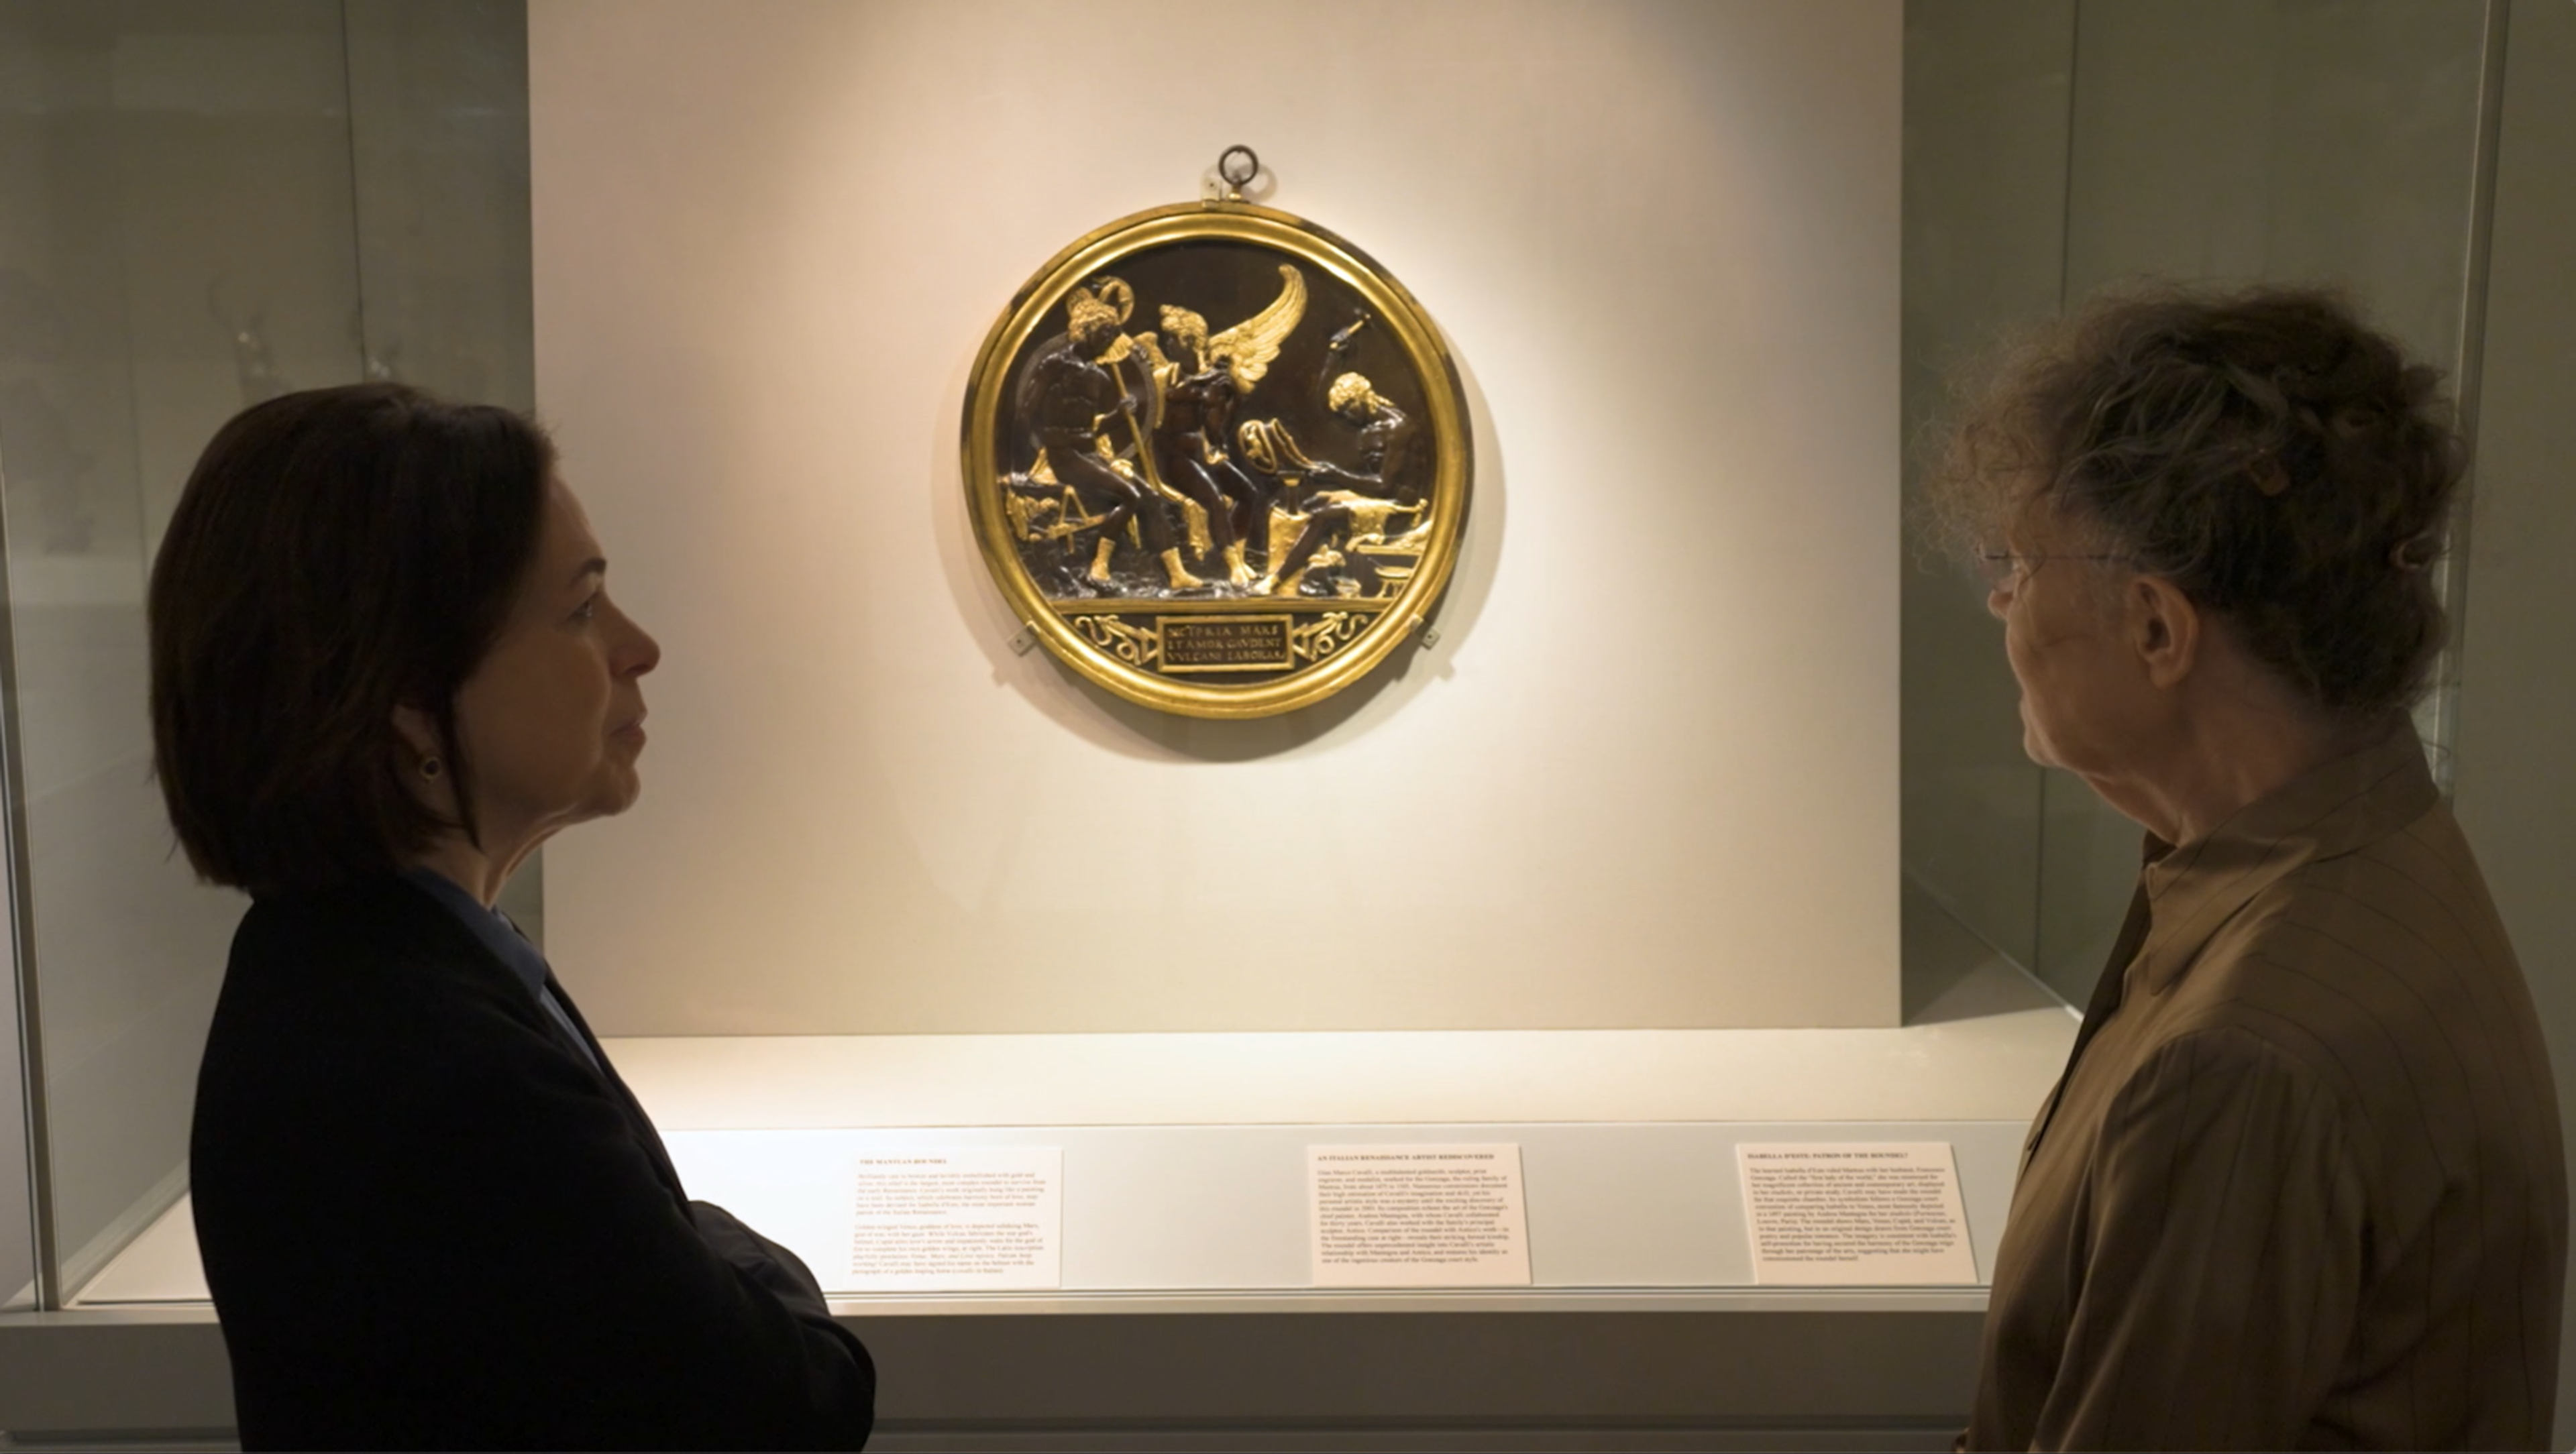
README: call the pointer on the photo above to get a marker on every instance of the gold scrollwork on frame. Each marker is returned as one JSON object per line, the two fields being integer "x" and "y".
{"x": 1327, "y": 634}
{"x": 1125, "y": 642}
{"x": 1217, "y": 459}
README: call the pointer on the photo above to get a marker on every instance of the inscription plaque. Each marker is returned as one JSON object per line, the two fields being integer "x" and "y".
{"x": 1225, "y": 643}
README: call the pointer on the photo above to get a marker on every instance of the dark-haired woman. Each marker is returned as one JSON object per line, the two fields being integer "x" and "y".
{"x": 2301, "y": 1184}
{"x": 385, "y": 667}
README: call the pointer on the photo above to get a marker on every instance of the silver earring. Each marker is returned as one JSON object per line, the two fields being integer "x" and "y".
{"x": 431, "y": 767}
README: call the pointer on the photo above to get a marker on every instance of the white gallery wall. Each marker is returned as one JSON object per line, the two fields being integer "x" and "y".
{"x": 1645, "y": 777}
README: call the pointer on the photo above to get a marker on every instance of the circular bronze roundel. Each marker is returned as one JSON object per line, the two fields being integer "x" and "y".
{"x": 1217, "y": 460}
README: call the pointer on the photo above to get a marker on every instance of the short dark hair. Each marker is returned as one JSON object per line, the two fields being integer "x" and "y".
{"x": 336, "y": 553}
{"x": 2281, "y": 462}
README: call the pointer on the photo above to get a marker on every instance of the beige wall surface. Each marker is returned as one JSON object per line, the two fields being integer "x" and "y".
{"x": 1647, "y": 775}
{"x": 2517, "y": 773}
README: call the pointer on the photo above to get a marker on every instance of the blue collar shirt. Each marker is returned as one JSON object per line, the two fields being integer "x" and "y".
{"x": 495, "y": 932}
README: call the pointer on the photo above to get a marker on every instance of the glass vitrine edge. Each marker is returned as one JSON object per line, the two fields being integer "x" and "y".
{"x": 19, "y": 889}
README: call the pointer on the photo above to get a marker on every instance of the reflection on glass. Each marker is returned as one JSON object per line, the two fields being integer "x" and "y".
{"x": 188, "y": 210}
{"x": 2238, "y": 140}
{"x": 177, "y": 209}
{"x": 1986, "y": 95}
{"x": 438, "y": 131}
{"x": 2054, "y": 146}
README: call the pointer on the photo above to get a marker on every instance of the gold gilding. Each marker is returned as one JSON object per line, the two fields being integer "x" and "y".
{"x": 1227, "y": 523}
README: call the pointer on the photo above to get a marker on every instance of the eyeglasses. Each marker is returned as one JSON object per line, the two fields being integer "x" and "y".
{"x": 2004, "y": 567}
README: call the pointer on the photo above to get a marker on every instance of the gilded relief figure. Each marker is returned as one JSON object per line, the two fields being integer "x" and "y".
{"x": 1129, "y": 430}
{"x": 1359, "y": 506}
{"x": 1087, "y": 416}
{"x": 1201, "y": 388}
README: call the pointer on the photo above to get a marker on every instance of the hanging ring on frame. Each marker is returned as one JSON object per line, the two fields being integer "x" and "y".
{"x": 1237, "y": 175}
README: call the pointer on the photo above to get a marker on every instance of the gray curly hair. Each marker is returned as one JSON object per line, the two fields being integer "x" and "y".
{"x": 2282, "y": 463}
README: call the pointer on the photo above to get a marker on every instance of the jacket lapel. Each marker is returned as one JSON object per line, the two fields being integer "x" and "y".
{"x": 405, "y": 912}
{"x": 642, "y": 1123}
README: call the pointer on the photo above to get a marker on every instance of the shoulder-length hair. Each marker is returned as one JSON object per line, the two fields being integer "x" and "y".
{"x": 336, "y": 553}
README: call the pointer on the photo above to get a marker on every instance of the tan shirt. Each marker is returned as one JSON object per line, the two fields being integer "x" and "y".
{"x": 2301, "y": 1186}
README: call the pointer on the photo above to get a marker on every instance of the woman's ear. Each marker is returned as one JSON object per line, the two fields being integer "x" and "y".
{"x": 2165, "y": 630}
{"x": 417, "y": 732}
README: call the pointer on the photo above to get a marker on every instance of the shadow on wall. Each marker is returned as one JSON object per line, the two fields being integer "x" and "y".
{"x": 1098, "y": 716}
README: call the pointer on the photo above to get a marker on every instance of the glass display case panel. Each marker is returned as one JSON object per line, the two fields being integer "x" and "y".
{"x": 175, "y": 226}
{"x": 190, "y": 209}
{"x": 2235, "y": 142}
{"x": 438, "y": 138}
{"x": 2057, "y": 146}
{"x": 17, "y": 1220}
{"x": 1987, "y": 87}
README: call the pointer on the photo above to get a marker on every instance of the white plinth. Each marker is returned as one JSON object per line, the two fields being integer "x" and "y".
{"x": 1183, "y": 1152}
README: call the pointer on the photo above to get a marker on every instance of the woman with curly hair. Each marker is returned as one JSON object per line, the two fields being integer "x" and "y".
{"x": 2301, "y": 1184}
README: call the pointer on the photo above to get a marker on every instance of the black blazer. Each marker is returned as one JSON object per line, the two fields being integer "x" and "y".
{"x": 428, "y": 1221}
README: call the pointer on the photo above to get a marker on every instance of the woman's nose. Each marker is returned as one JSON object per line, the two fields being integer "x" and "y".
{"x": 1999, "y": 601}
{"x": 641, "y": 652}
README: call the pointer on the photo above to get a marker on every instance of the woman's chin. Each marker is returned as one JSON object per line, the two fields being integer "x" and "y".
{"x": 2033, "y": 745}
{"x": 616, "y": 791}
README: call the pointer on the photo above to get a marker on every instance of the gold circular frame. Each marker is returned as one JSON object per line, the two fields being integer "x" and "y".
{"x": 1123, "y": 658}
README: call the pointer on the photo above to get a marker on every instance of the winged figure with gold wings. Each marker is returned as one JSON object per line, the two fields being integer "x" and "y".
{"x": 1202, "y": 379}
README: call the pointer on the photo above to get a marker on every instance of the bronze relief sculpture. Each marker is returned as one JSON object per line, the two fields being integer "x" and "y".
{"x": 1217, "y": 460}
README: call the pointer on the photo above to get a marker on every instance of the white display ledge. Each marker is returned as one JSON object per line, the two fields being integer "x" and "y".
{"x": 1184, "y": 1151}
{"x": 1214, "y": 1218}
{"x": 1184, "y": 1320}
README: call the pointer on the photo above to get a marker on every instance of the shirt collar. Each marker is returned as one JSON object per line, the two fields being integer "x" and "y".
{"x": 2337, "y": 808}
{"x": 490, "y": 927}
